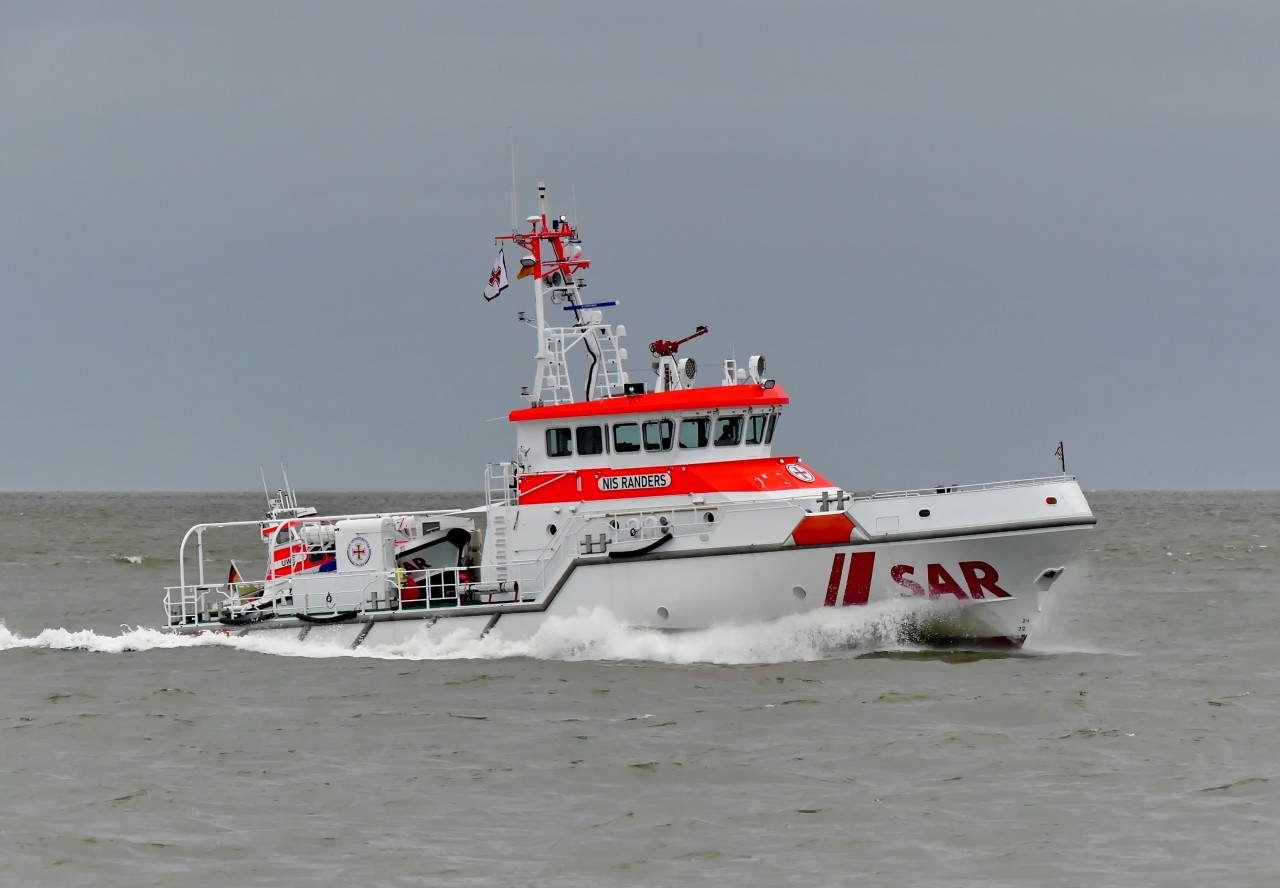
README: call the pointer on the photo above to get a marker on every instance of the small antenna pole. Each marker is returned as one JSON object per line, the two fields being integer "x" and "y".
{"x": 266, "y": 491}
{"x": 292, "y": 500}
{"x": 512, "y": 133}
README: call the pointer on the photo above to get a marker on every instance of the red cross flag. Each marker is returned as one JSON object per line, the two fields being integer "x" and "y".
{"x": 497, "y": 278}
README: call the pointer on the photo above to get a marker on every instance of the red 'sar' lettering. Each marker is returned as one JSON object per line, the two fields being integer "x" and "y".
{"x": 979, "y": 575}
{"x": 901, "y": 575}
{"x": 941, "y": 583}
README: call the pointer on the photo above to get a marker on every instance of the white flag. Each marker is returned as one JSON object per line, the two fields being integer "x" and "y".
{"x": 497, "y": 278}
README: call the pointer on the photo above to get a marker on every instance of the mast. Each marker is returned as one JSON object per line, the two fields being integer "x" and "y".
{"x": 540, "y": 317}
{"x": 554, "y": 259}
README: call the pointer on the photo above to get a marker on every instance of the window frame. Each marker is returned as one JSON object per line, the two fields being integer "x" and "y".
{"x": 567, "y": 442}
{"x": 627, "y": 446}
{"x": 668, "y": 439}
{"x": 601, "y": 440}
{"x": 704, "y": 433}
{"x": 734, "y": 421}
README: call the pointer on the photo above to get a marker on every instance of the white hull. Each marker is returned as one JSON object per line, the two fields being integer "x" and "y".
{"x": 697, "y": 592}
{"x": 981, "y": 588}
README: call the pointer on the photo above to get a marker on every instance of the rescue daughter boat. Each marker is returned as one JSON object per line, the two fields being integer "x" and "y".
{"x": 655, "y": 499}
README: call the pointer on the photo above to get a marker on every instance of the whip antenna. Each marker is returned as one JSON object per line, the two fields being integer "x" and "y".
{"x": 512, "y": 133}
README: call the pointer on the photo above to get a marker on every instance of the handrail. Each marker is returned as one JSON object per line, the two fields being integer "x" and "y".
{"x": 498, "y": 486}
{"x": 962, "y": 488}
{"x": 199, "y": 529}
{"x": 545, "y": 483}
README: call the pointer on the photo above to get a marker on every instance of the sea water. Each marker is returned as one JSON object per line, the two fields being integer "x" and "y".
{"x": 1132, "y": 743}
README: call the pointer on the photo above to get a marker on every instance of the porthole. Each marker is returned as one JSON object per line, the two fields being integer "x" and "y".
{"x": 551, "y": 530}
{"x": 662, "y": 612}
{"x": 710, "y": 518}
{"x": 924, "y": 513}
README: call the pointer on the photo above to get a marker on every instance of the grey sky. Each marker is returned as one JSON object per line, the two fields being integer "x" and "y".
{"x": 239, "y": 234}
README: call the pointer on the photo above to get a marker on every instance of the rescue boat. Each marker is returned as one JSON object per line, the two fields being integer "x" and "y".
{"x": 657, "y": 499}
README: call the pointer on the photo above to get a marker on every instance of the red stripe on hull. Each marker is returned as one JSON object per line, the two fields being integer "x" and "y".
{"x": 858, "y": 589}
{"x": 833, "y": 584}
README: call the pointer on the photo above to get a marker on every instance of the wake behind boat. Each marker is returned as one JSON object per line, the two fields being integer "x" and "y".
{"x": 658, "y": 500}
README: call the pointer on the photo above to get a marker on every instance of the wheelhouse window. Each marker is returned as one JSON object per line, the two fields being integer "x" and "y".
{"x": 768, "y": 435}
{"x": 756, "y": 425}
{"x": 695, "y": 432}
{"x": 658, "y": 434}
{"x": 728, "y": 431}
{"x": 559, "y": 442}
{"x": 626, "y": 437}
{"x": 590, "y": 440}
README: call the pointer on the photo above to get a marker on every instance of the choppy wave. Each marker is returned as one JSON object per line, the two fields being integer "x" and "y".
{"x": 587, "y": 636}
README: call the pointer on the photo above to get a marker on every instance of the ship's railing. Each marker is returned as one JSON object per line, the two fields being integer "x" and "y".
{"x": 620, "y": 530}
{"x": 358, "y": 592}
{"x": 500, "y": 484}
{"x": 188, "y": 605}
{"x": 964, "y": 488}
{"x": 535, "y": 575}
{"x": 640, "y": 525}
{"x": 197, "y": 532}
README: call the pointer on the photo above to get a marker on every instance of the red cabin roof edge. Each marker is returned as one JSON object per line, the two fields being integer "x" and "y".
{"x": 746, "y": 395}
